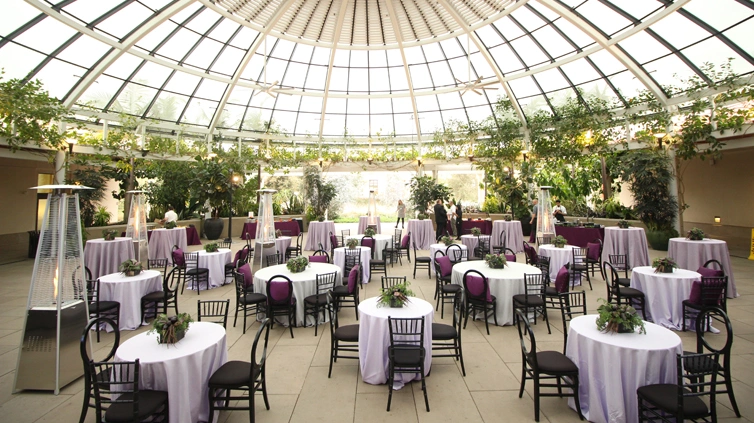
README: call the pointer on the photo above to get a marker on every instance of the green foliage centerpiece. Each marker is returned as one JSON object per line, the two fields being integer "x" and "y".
{"x": 664, "y": 265}
{"x": 297, "y": 264}
{"x": 211, "y": 247}
{"x": 695, "y": 234}
{"x": 320, "y": 218}
{"x": 109, "y": 234}
{"x": 476, "y": 231}
{"x": 170, "y": 225}
{"x": 395, "y": 296}
{"x": 508, "y": 218}
{"x": 171, "y": 329}
{"x": 448, "y": 241}
{"x": 618, "y": 318}
{"x": 623, "y": 224}
{"x": 369, "y": 232}
{"x": 495, "y": 261}
{"x": 421, "y": 216}
{"x": 130, "y": 267}
{"x": 559, "y": 241}
{"x": 352, "y": 242}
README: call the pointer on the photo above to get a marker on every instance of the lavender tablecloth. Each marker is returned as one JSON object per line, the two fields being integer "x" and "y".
{"x": 183, "y": 369}
{"x": 631, "y": 241}
{"x": 215, "y": 262}
{"x": 558, "y": 257}
{"x": 128, "y": 290}
{"x": 422, "y": 233}
{"x": 579, "y": 236}
{"x": 514, "y": 235}
{"x": 339, "y": 259}
{"x": 364, "y": 222}
{"x": 162, "y": 241}
{"x": 104, "y": 257}
{"x": 484, "y": 225}
{"x": 319, "y": 232}
{"x": 440, "y": 247}
{"x": 613, "y": 366}
{"x": 374, "y": 339}
{"x": 249, "y": 230}
{"x": 381, "y": 241}
{"x": 693, "y": 254}
{"x": 664, "y": 293}
{"x": 471, "y": 241}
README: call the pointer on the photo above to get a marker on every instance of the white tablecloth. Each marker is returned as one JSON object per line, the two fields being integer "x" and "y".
{"x": 215, "y": 262}
{"x": 339, "y": 259}
{"x": 471, "y": 241}
{"x": 504, "y": 284}
{"x": 104, "y": 257}
{"x": 422, "y": 233}
{"x": 162, "y": 241}
{"x": 182, "y": 369}
{"x": 513, "y": 233}
{"x": 440, "y": 247}
{"x": 381, "y": 241}
{"x": 364, "y": 222}
{"x": 693, "y": 254}
{"x": 319, "y": 232}
{"x": 664, "y": 293}
{"x": 631, "y": 241}
{"x": 128, "y": 290}
{"x": 613, "y": 366}
{"x": 558, "y": 257}
{"x": 374, "y": 339}
{"x": 304, "y": 284}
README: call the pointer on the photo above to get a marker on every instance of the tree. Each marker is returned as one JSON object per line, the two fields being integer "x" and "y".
{"x": 425, "y": 190}
{"x": 319, "y": 194}
{"x": 170, "y": 186}
{"x": 211, "y": 183}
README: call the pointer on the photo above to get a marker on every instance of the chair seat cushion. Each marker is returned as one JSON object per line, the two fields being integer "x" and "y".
{"x": 253, "y": 298}
{"x": 377, "y": 263}
{"x": 630, "y": 292}
{"x": 348, "y": 333}
{"x": 451, "y": 288}
{"x": 665, "y": 397}
{"x": 197, "y": 271}
{"x": 410, "y": 356}
{"x": 340, "y": 291}
{"x": 149, "y": 403}
{"x": 443, "y": 332}
{"x": 553, "y": 362}
{"x": 156, "y": 296}
{"x": 423, "y": 260}
{"x": 232, "y": 374}
{"x": 103, "y": 306}
{"x": 319, "y": 299}
{"x": 624, "y": 282}
{"x": 531, "y": 300}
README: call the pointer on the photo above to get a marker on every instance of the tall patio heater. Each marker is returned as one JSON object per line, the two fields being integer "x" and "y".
{"x": 265, "y": 237}
{"x": 545, "y": 221}
{"x": 57, "y": 310}
{"x": 136, "y": 228}
{"x": 372, "y": 211}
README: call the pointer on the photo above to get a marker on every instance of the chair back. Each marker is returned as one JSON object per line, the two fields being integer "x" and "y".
{"x": 115, "y": 383}
{"x": 279, "y": 290}
{"x": 543, "y": 264}
{"x": 594, "y": 250}
{"x": 326, "y": 282}
{"x": 299, "y": 240}
{"x": 333, "y": 314}
{"x": 572, "y": 304}
{"x": 274, "y": 259}
{"x": 483, "y": 246}
{"x": 390, "y": 281}
{"x": 345, "y": 233}
{"x": 458, "y": 315}
{"x": 531, "y": 254}
{"x": 611, "y": 276}
{"x": 455, "y": 253}
{"x": 215, "y": 311}
{"x": 714, "y": 264}
{"x": 177, "y": 256}
{"x": 260, "y": 363}
{"x": 528, "y": 341}
{"x": 224, "y": 244}
{"x": 534, "y": 284}
{"x": 697, "y": 377}
{"x": 406, "y": 334}
{"x": 92, "y": 291}
{"x": 242, "y": 255}
{"x": 714, "y": 342}
{"x": 405, "y": 243}
{"x": 503, "y": 240}
{"x": 578, "y": 255}
{"x": 85, "y": 347}
{"x": 159, "y": 264}
{"x": 368, "y": 241}
{"x": 476, "y": 287}
{"x": 619, "y": 262}
{"x": 191, "y": 260}
{"x": 171, "y": 281}
{"x": 712, "y": 291}
{"x": 241, "y": 288}
{"x": 543, "y": 240}
{"x": 320, "y": 256}
{"x": 510, "y": 255}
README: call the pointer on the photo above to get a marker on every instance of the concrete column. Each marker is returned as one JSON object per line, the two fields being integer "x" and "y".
{"x": 60, "y": 167}
{"x": 673, "y": 188}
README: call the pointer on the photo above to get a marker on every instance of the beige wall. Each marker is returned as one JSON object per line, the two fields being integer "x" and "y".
{"x": 18, "y": 204}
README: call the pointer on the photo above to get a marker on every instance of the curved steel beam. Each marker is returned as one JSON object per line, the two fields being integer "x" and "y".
{"x": 328, "y": 77}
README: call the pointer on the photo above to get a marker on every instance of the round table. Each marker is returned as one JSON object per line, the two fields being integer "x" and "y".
{"x": 664, "y": 293}
{"x": 613, "y": 366}
{"x": 374, "y": 339}
{"x": 162, "y": 241}
{"x": 215, "y": 262}
{"x": 471, "y": 241}
{"x": 514, "y": 234}
{"x": 182, "y": 369}
{"x": 440, "y": 247}
{"x": 128, "y": 290}
{"x": 364, "y": 222}
{"x": 365, "y": 253}
{"x": 319, "y": 232}
{"x": 693, "y": 254}
{"x": 559, "y": 257}
{"x": 422, "y": 233}
{"x": 104, "y": 257}
{"x": 304, "y": 284}
{"x": 381, "y": 242}
{"x": 631, "y": 241}
{"x": 504, "y": 283}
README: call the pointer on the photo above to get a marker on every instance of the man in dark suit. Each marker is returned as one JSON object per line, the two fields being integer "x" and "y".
{"x": 459, "y": 219}
{"x": 441, "y": 218}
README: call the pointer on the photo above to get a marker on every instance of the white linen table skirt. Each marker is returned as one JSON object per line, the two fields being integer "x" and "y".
{"x": 182, "y": 369}
{"x": 364, "y": 222}
{"x": 665, "y": 293}
{"x": 559, "y": 257}
{"x": 422, "y": 233}
{"x": 514, "y": 234}
{"x": 631, "y": 241}
{"x": 339, "y": 259}
{"x": 613, "y": 366}
{"x": 504, "y": 284}
{"x": 128, "y": 290}
{"x": 304, "y": 284}
{"x": 380, "y": 241}
{"x": 693, "y": 254}
{"x": 440, "y": 247}
{"x": 319, "y": 232}
{"x": 162, "y": 241}
{"x": 215, "y": 262}
{"x": 471, "y": 241}
{"x": 104, "y": 257}
{"x": 374, "y": 339}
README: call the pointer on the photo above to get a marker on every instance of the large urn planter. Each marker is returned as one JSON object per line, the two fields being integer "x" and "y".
{"x": 213, "y": 228}
{"x": 659, "y": 239}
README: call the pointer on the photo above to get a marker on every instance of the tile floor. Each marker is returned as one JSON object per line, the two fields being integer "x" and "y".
{"x": 297, "y": 369}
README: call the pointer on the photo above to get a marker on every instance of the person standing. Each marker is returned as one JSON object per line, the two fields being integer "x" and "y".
{"x": 441, "y": 219}
{"x": 459, "y": 219}
{"x": 401, "y": 214}
{"x": 533, "y": 221}
{"x": 559, "y": 211}
{"x": 170, "y": 216}
{"x": 453, "y": 218}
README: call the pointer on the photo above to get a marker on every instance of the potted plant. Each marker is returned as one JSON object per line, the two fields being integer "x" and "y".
{"x": 448, "y": 241}
{"x": 664, "y": 265}
{"x": 211, "y": 182}
{"x": 623, "y": 224}
{"x": 352, "y": 242}
{"x": 476, "y": 231}
{"x": 130, "y": 267}
{"x": 559, "y": 241}
{"x": 395, "y": 296}
{"x": 495, "y": 261}
{"x": 320, "y": 218}
{"x": 211, "y": 247}
{"x": 278, "y": 233}
{"x": 369, "y": 231}
{"x": 425, "y": 190}
{"x": 109, "y": 234}
{"x": 615, "y": 318}
{"x": 170, "y": 225}
{"x": 695, "y": 234}
{"x": 508, "y": 218}
{"x": 297, "y": 264}
{"x": 171, "y": 329}
{"x": 319, "y": 195}
{"x": 421, "y": 216}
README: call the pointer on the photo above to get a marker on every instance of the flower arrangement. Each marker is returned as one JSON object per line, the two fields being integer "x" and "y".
{"x": 109, "y": 234}
{"x": 623, "y": 224}
{"x": 559, "y": 241}
{"x": 396, "y": 296}
{"x": 476, "y": 231}
{"x": 664, "y": 265}
{"x": 495, "y": 261}
{"x": 369, "y": 231}
{"x": 695, "y": 234}
{"x": 170, "y": 225}
{"x": 448, "y": 241}
{"x": 297, "y": 264}
{"x": 352, "y": 242}
{"x": 278, "y": 233}
{"x": 130, "y": 267}
{"x": 508, "y": 218}
{"x": 421, "y": 216}
{"x": 618, "y": 318}
{"x": 320, "y": 218}
{"x": 171, "y": 329}
{"x": 211, "y": 247}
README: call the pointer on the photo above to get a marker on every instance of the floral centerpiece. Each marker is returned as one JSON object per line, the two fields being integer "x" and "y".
{"x": 171, "y": 329}
{"x": 130, "y": 267}
{"x": 109, "y": 234}
{"x": 211, "y": 247}
{"x": 421, "y": 216}
{"x": 278, "y": 233}
{"x": 508, "y": 218}
{"x": 623, "y": 224}
{"x": 297, "y": 264}
{"x": 476, "y": 231}
{"x": 695, "y": 234}
{"x": 664, "y": 265}
{"x": 448, "y": 241}
{"x": 320, "y": 218}
{"x": 559, "y": 241}
{"x": 615, "y": 318}
{"x": 495, "y": 261}
{"x": 170, "y": 225}
{"x": 369, "y": 231}
{"x": 395, "y": 296}
{"x": 352, "y": 242}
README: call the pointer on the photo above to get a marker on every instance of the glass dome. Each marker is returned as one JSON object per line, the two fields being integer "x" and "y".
{"x": 316, "y": 69}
